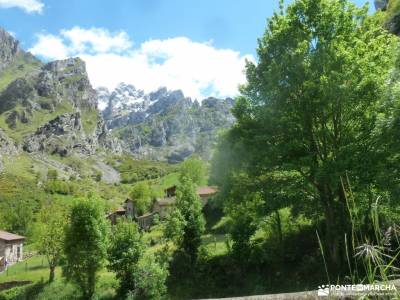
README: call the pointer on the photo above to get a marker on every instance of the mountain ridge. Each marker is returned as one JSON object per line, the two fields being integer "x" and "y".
{"x": 51, "y": 110}
{"x": 164, "y": 124}
{"x": 48, "y": 108}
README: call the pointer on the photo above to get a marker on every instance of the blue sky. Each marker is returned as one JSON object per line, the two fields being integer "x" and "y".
{"x": 127, "y": 25}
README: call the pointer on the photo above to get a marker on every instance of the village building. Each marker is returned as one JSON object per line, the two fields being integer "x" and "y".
{"x": 11, "y": 249}
{"x": 130, "y": 208}
{"x": 205, "y": 193}
{"x": 164, "y": 205}
{"x": 161, "y": 206}
{"x": 118, "y": 213}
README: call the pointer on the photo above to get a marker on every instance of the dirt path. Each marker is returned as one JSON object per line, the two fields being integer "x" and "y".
{"x": 109, "y": 174}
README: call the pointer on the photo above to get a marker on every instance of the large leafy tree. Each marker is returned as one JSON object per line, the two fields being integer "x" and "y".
{"x": 85, "y": 244}
{"x": 194, "y": 169}
{"x": 311, "y": 105}
{"x": 151, "y": 277}
{"x": 189, "y": 205}
{"x": 126, "y": 248}
{"x": 142, "y": 196}
{"x": 49, "y": 234}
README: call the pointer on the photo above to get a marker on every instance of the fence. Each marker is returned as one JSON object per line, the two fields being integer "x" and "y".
{"x": 29, "y": 264}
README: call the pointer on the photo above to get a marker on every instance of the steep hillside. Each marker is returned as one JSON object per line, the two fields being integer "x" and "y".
{"x": 164, "y": 125}
{"x": 47, "y": 109}
{"x": 49, "y": 119}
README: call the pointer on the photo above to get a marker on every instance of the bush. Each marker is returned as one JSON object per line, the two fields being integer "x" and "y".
{"x": 60, "y": 187}
{"x": 25, "y": 292}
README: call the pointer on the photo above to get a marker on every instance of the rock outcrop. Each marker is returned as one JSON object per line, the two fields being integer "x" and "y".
{"x": 9, "y": 48}
{"x": 52, "y": 108}
{"x": 67, "y": 79}
{"x": 59, "y": 136}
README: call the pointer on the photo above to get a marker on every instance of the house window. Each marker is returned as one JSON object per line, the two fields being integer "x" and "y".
{"x": 18, "y": 252}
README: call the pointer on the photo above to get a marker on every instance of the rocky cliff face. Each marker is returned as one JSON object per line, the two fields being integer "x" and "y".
{"x": 49, "y": 108}
{"x": 164, "y": 125}
{"x": 9, "y": 48}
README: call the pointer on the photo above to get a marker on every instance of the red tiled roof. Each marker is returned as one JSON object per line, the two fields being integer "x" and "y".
{"x": 206, "y": 190}
{"x": 6, "y": 236}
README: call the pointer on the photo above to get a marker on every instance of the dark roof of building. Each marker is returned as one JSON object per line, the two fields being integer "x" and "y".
{"x": 7, "y": 236}
{"x": 206, "y": 190}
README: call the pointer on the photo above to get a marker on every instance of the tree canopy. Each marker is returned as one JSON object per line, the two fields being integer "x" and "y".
{"x": 308, "y": 117}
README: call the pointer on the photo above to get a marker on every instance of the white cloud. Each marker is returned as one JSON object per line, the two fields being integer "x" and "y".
{"x": 30, "y": 6}
{"x": 96, "y": 40}
{"x": 199, "y": 69}
{"x": 50, "y": 47}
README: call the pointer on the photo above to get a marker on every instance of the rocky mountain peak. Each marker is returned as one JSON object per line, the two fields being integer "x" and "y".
{"x": 67, "y": 67}
{"x": 67, "y": 79}
{"x": 9, "y": 48}
{"x": 164, "y": 124}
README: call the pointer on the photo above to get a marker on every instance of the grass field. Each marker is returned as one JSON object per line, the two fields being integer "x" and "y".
{"x": 32, "y": 269}
{"x": 36, "y": 269}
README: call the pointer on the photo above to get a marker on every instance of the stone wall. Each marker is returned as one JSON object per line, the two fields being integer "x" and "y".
{"x": 9, "y": 250}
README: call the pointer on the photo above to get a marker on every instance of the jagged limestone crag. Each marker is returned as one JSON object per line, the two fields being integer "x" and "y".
{"x": 67, "y": 79}
{"x": 59, "y": 136}
{"x": 49, "y": 108}
{"x": 164, "y": 125}
{"x": 9, "y": 48}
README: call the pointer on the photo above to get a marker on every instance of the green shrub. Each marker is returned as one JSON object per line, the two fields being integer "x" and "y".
{"x": 25, "y": 292}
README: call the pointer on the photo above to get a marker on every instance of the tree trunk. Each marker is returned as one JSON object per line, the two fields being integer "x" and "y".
{"x": 279, "y": 228}
{"x": 52, "y": 273}
{"x": 332, "y": 239}
{"x": 91, "y": 285}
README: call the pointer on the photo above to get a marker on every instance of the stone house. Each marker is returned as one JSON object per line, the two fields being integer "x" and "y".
{"x": 130, "y": 208}
{"x": 205, "y": 193}
{"x": 11, "y": 248}
{"x": 129, "y": 211}
{"x": 164, "y": 205}
{"x": 161, "y": 207}
{"x": 113, "y": 216}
